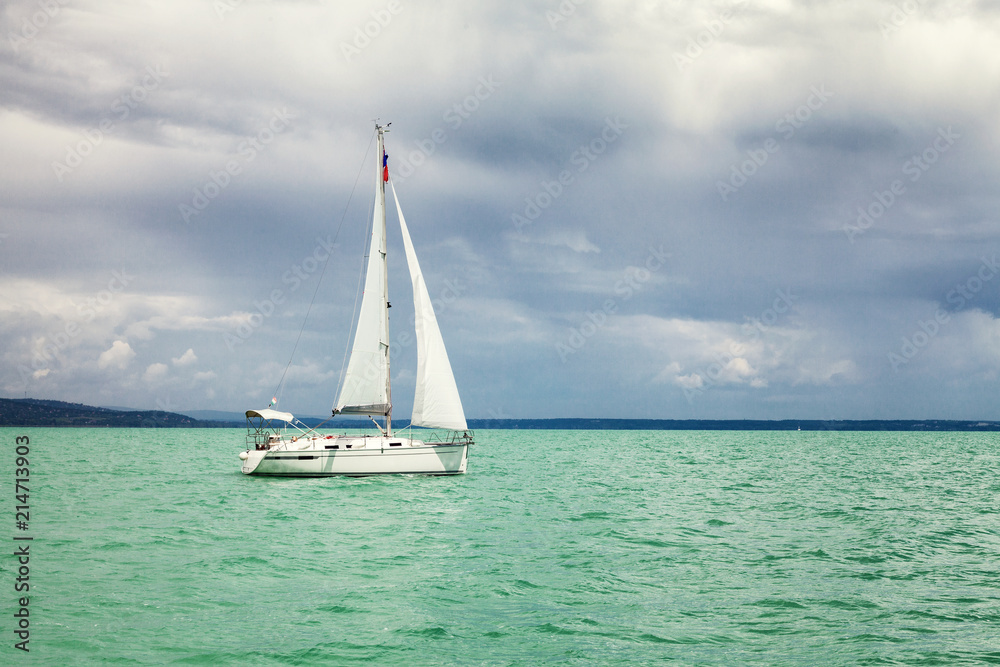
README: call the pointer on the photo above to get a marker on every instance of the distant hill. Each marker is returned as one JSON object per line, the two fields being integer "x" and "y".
{"x": 35, "y": 412}
{"x": 240, "y": 417}
{"x": 215, "y": 416}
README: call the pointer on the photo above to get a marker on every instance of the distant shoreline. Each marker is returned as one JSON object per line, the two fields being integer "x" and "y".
{"x": 30, "y": 412}
{"x": 738, "y": 424}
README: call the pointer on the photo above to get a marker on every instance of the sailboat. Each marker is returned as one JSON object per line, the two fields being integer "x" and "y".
{"x": 279, "y": 446}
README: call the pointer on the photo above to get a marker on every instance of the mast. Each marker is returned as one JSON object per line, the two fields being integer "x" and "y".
{"x": 383, "y": 176}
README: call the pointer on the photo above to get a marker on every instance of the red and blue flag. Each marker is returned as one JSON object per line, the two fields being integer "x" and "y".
{"x": 385, "y": 166}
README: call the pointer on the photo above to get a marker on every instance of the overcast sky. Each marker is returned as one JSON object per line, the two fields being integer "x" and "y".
{"x": 761, "y": 209}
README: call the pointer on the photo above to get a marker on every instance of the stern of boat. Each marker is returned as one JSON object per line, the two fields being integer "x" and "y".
{"x": 251, "y": 459}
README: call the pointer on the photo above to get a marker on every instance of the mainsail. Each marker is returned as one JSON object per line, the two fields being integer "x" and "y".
{"x": 366, "y": 384}
{"x": 436, "y": 403}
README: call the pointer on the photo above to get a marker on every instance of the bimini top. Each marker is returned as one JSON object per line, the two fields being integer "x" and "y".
{"x": 271, "y": 414}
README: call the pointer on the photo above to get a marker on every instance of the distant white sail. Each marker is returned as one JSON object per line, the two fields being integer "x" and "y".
{"x": 366, "y": 387}
{"x": 436, "y": 403}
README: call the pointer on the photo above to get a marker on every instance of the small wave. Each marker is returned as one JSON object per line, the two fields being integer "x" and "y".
{"x": 549, "y": 628}
{"x": 586, "y": 516}
{"x": 336, "y": 609}
{"x": 778, "y": 603}
{"x": 436, "y": 632}
{"x": 851, "y": 605}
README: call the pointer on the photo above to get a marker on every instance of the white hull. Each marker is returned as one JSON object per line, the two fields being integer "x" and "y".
{"x": 374, "y": 455}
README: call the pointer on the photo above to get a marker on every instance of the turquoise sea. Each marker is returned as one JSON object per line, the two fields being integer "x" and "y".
{"x": 558, "y": 547}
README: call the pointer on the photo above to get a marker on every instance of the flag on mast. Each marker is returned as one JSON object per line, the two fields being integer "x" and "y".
{"x": 385, "y": 166}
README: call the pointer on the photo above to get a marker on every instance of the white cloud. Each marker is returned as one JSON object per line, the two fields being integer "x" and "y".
{"x": 689, "y": 381}
{"x": 144, "y": 329}
{"x": 185, "y": 359}
{"x": 117, "y": 356}
{"x": 155, "y": 372}
{"x": 706, "y": 353}
{"x": 576, "y": 240}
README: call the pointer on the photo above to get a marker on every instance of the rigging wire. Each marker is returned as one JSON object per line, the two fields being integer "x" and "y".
{"x": 277, "y": 389}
